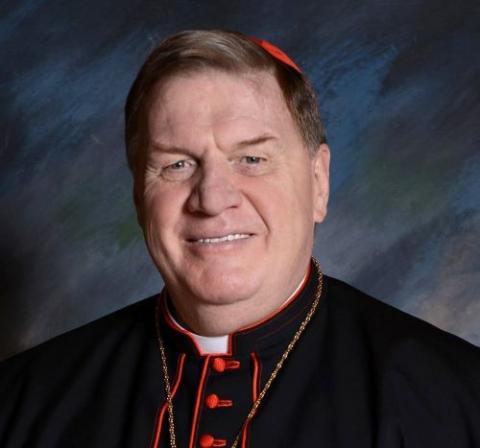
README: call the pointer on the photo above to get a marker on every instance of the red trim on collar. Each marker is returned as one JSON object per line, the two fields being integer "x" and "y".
{"x": 285, "y": 304}
{"x": 173, "y": 325}
{"x": 229, "y": 352}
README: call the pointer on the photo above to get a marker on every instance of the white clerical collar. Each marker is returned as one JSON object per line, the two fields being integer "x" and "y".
{"x": 219, "y": 344}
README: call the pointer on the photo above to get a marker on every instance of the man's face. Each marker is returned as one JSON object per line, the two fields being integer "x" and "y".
{"x": 230, "y": 192}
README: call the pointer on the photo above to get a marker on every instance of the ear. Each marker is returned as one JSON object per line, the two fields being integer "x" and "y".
{"x": 321, "y": 184}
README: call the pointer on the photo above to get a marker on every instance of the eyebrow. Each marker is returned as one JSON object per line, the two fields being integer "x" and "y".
{"x": 169, "y": 149}
{"x": 264, "y": 138}
{"x": 172, "y": 149}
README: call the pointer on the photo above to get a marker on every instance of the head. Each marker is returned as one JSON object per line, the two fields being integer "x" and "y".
{"x": 230, "y": 167}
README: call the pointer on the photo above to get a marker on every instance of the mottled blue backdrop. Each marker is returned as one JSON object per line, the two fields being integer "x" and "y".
{"x": 399, "y": 87}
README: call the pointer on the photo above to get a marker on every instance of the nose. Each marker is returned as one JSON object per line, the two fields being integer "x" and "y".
{"x": 215, "y": 189}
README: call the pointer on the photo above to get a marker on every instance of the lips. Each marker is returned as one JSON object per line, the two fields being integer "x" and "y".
{"x": 220, "y": 238}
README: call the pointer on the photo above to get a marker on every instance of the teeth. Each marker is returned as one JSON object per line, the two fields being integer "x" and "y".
{"x": 231, "y": 237}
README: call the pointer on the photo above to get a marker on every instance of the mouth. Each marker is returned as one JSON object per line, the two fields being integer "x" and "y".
{"x": 220, "y": 239}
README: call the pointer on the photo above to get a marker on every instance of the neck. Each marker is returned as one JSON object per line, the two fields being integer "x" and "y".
{"x": 219, "y": 321}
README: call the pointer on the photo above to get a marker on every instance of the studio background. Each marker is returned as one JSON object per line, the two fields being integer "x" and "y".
{"x": 399, "y": 90}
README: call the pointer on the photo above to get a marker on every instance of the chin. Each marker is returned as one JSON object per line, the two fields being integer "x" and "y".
{"x": 215, "y": 287}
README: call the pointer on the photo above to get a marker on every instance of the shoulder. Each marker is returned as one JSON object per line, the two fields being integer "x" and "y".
{"x": 88, "y": 341}
{"x": 428, "y": 378}
{"x": 128, "y": 318}
{"x": 390, "y": 327}
{"x": 395, "y": 341}
{"x": 65, "y": 385}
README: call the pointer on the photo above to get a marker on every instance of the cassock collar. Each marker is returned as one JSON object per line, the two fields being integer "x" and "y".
{"x": 270, "y": 334}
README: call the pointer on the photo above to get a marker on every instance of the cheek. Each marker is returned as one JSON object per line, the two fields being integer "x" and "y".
{"x": 274, "y": 203}
{"x": 290, "y": 208}
{"x": 288, "y": 192}
{"x": 162, "y": 210}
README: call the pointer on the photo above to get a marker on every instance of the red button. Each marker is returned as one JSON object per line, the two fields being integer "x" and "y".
{"x": 211, "y": 401}
{"x": 208, "y": 441}
{"x": 218, "y": 365}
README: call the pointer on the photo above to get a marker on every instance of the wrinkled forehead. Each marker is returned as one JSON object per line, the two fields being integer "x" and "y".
{"x": 256, "y": 77}
{"x": 213, "y": 98}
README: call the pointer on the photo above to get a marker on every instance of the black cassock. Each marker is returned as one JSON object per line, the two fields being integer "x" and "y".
{"x": 362, "y": 375}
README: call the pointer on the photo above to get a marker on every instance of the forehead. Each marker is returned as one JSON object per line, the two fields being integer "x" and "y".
{"x": 225, "y": 103}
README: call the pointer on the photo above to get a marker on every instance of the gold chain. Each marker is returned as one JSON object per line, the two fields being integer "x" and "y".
{"x": 271, "y": 379}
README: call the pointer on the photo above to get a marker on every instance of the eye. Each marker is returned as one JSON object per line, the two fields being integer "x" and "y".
{"x": 253, "y": 160}
{"x": 253, "y": 165}
{"x": 179, "y": 170}
{"x": 177, "y": 165}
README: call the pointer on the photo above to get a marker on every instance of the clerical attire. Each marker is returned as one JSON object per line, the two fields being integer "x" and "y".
{"x": 361, "y": 375}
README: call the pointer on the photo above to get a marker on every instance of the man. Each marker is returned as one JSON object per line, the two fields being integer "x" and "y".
{"x": 249, "y": 344}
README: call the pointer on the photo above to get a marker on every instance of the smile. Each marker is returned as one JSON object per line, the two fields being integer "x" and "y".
{"x": 222, "y": 239}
